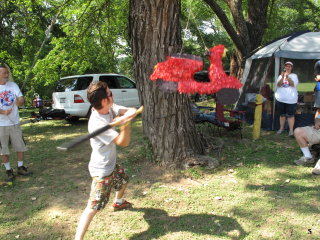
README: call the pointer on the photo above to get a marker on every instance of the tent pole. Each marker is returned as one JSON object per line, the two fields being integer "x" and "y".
{"x": 276, "y": 74}
{"x": 244, "y": 77}
{"x": 246, "y": 70}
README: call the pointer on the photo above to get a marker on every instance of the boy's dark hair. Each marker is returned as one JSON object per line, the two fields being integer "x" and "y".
{"x": 96, "y": 92}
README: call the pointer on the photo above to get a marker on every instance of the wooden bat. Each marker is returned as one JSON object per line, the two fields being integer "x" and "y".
{"x": 77, "y": 141}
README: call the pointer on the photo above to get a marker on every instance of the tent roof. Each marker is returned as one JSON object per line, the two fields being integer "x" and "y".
{"x": 303, "y": 46}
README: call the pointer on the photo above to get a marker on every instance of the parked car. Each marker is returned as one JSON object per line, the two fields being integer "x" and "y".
{"x": 71, "y": 93}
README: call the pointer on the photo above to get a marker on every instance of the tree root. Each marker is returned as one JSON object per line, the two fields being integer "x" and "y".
{"x": 200, "y": 160}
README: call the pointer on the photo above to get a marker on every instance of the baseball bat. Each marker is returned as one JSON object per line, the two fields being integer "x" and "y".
{"x": 68, "y": 145}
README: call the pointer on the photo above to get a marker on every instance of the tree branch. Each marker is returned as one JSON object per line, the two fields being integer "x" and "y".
{"x": 226, "y": 24}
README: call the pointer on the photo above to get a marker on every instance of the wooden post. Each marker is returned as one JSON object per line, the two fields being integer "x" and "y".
{"x": 257, "y": 117}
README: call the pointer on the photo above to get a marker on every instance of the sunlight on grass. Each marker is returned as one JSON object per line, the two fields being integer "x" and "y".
{"x": 306, "y": 87}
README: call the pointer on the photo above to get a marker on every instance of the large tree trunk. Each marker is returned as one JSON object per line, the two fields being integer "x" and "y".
{"x": 154, "y": 31}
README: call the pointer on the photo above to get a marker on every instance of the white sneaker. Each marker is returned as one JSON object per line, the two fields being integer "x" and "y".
{"x": 316, "y": 169}
{"x": 279, "y": 131}
{"x": 305, "y": 161}
{"x": 290, "y": 134}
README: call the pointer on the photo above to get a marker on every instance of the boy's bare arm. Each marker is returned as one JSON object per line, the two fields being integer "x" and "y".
{"x": 123, "y": 139}
{"x": 6, "y": 112}
{"x": 20, "y": 101}
{"x": 126, "y": 115}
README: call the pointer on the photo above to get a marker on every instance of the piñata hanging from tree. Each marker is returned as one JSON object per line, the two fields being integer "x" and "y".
{"x": 176, "y": 74}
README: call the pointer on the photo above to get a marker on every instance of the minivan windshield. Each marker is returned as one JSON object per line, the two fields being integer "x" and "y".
{"x": 73, "y": 84}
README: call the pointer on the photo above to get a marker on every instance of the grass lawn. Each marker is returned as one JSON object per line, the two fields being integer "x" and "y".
{"x": 256, "y": 192}
{"x": 306, "y": 87}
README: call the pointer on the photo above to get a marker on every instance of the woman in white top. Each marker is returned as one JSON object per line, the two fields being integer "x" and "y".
{"x": 287, "y": 97}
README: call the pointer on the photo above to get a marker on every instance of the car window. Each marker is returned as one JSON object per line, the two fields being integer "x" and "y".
{"x": 82, "y": 83}
{"x": 110, "y": 80}
{"x": 125, "y": 82}
{"x": 73, "y": 84}
{"x": 64, "y": 84}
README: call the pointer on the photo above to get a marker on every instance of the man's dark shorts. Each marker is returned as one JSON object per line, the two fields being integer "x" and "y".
{"x": 101, "y": 187}
{"x": 286, "y": 109}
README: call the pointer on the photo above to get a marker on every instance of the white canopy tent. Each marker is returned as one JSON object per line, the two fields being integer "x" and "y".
{"x": 303, "y": 49}
{"x": 303, "y": 46}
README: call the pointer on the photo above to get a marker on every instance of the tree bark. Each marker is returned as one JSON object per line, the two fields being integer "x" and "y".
{"x": 154, "y": 31}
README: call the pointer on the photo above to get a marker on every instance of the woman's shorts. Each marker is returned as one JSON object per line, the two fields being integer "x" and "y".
{"x": 286, "y": 109}
{"x": 101, "y": 187}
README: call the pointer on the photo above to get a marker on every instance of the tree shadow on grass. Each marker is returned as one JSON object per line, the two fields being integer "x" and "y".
{"x": 160, "y": 223}
{"x": 281, "y": 210}
{"x": 287, "y": 194}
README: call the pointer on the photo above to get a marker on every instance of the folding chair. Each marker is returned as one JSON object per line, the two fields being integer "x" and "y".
{"x": 233, "y": 121}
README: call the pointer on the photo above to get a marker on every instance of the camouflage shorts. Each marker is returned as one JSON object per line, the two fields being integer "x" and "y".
{"x": 101, "y": 187}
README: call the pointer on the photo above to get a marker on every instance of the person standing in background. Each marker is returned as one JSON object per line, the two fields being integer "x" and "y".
{"x": 287, "y": 97}
{"x": 317, "y": 88}
{"x": 10, "y": 99}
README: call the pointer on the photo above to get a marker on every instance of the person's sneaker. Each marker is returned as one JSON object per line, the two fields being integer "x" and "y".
{"x": 304, "y": 161}
{"x": 124, "y": 205}
{"x": 10, "y": 175}
{"x": 290, "y": 134}
{"x": 23, "y": 171}
{"x": 316, "y": 169}
{"x": 279, "y": 131}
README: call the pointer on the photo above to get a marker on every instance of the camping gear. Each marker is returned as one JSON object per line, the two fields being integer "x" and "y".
{"x": 231, "y": 121}
{"x": 264, "y": 66}
{"x": 37, "y": 102}
{"x": 51, "y": 113}
{"x": 45, "y": 114}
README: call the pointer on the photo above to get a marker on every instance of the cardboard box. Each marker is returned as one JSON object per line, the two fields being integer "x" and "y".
{"x": 308, "y": 97}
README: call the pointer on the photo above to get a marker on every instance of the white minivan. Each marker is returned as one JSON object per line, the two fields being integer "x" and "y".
{"x": 71, "y": 93}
